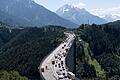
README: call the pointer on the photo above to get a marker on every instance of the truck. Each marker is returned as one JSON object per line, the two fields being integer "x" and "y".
{"x": 71, "y": 75}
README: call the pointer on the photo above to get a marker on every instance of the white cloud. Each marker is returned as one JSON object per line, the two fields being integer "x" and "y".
{"x": 112, "y": 12}
{"x": 65, "y": 0}
{"x": 79, "y": 5}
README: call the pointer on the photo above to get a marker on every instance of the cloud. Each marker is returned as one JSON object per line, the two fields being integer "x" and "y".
{"x": 79, "y": 5}
{"x": 111, "y": 11}
{"x": 114, "y": 12}
{"x": 65, "y": 0}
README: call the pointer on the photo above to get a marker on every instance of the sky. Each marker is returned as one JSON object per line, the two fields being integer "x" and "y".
{"x": 53, "y": 5}
{"x": 97, "y": 7}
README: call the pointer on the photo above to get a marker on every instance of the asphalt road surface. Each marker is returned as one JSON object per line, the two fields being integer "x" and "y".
{"x": 53, "y": 66}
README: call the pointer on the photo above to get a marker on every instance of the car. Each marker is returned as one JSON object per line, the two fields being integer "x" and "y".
{"x": 68, "y": 77}
{"x": 46, "y": 67}
{"x": 65, "y": 55}
{"x": 64, "y": 45}
{"x": 59, "y": 54}
{"x": 53, "y": 62}
{"x": 60, "y": 77}
{"x": 63, "y": 69}
{"x": 55, "y": 57}
{"x": 61, "y": 62}
{"x": 58, "y": 72}
{"x": 59, "y": 58}
{"x": 64, "y": 52}
{"x": 62, "y": 55}
{"x": 55, "y": 65}
{"x": 59, "y": 66}
{"x": 42, "y": 69}
{"x": 66, "y": 49}
{"x": 60, "y": 69}
{"x": 64, "y": 74}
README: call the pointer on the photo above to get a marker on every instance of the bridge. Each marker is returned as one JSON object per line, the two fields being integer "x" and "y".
{"x": 59, "y": 64}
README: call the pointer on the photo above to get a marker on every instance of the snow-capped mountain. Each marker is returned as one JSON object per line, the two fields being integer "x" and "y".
{"x": 111, "y": 17}
{"x": 109, "y": 14}
{"x": 78, "y": 16}
{"x": 29, "y": 13}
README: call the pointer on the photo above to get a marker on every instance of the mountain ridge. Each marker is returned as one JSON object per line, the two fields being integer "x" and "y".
{"x": 32, "y": 13}
{"x": 78, "y": 16}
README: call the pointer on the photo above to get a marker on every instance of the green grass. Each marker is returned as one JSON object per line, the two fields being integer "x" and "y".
{"x": 92, "y": 61}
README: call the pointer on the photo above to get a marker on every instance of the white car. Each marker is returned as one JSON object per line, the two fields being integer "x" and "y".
{"x": 60, "y": 77}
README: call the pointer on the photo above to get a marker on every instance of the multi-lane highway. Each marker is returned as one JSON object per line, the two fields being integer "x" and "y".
{"x": 53, "y": 67}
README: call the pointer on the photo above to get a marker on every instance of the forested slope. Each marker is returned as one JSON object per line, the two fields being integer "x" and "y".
{"x": 23, "y": 49}
{"x": 98, "y": 54}
{"x": 104, "y": 42}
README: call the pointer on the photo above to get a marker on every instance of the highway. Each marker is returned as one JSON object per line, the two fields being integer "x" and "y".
{"x": 53, "y": 67}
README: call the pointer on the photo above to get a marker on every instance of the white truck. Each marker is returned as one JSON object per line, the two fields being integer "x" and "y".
{"x": 71, "y": 75}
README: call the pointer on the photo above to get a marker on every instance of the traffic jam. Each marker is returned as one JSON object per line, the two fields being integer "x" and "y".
{"x": 58, "y": 62}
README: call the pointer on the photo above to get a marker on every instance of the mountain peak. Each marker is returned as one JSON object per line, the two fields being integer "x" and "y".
{"x": 70, "y": 8}
{"x": 29, "y": 13}
{"x": 78, "y": 15}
